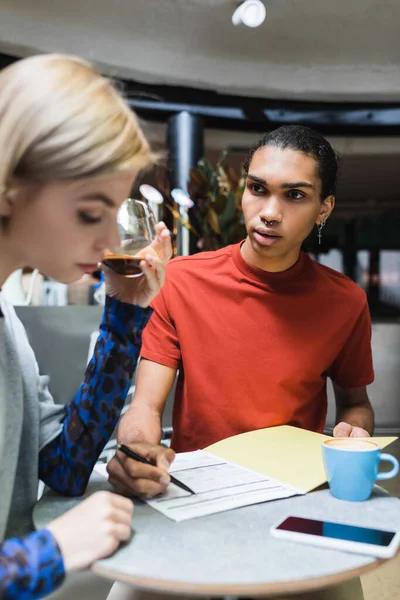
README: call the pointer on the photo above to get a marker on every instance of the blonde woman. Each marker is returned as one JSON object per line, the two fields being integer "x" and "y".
{"x": 70, "y": 152}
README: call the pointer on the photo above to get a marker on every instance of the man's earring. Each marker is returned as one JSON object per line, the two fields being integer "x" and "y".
{"x": 320, "y": 226}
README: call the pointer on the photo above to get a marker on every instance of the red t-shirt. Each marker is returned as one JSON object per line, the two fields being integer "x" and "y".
{"x": 254, "y": 348}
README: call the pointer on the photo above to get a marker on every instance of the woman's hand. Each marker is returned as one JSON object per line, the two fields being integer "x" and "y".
{"x": 141, "y": 290}
{"x": 92, "y": 530}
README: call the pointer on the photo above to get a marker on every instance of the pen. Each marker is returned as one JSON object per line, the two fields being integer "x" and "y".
{"x": 135, "y": 456}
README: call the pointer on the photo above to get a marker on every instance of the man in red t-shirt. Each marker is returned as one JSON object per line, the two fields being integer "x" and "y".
{"x": 256, "y": 328}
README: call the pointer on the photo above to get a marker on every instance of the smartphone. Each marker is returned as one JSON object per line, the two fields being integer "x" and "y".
{"x": 338, "y": 536}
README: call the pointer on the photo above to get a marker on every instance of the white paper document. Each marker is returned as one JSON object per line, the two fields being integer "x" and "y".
{"x": 101, "y": 469}
{"x": 218, "y": 485}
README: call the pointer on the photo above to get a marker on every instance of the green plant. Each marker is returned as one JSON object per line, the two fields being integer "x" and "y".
{"x": 216, "y": 215}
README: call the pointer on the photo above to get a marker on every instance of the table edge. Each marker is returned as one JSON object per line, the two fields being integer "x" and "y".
{"x": 258, "y": 589}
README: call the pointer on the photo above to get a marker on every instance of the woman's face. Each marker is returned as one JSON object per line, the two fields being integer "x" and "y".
{"x": 62, "y": 229}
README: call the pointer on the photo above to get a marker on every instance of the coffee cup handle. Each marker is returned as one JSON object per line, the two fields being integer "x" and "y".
{"x": 395, "y": 469}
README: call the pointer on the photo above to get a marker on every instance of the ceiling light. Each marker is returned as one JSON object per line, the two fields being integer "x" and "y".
{"x": 251, "y": 13}
{"x": 182, "y": 198}
{"x": 151, "y": 194}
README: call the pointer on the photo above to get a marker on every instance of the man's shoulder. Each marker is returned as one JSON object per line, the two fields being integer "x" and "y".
{"x": 332, "y": 281}
{"x": 197, "y": 263}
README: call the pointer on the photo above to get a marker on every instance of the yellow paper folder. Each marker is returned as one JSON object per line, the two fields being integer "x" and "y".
{"x": 286, "y": 453}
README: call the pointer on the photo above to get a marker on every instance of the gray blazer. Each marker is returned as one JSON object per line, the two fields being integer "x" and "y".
{"x": 29, "y": 420}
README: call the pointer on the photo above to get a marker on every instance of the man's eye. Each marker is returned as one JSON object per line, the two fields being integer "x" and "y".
{"x": 295, "y": 195}
{"x": 257, "y": 188}
{"x": 88, "y": 219}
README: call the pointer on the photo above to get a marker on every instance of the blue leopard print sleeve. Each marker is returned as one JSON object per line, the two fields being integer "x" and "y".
{"x": 30, "y": 567}
{"x": 66, "y": 463}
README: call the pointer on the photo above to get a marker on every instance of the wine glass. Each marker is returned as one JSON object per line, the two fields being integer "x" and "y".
{"x": 136, "y": 225}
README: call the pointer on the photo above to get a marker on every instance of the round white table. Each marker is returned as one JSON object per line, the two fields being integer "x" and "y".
{"x": 233, "y": 553}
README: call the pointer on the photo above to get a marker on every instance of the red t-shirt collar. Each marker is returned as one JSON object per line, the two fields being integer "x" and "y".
{"x": 265, "y": 277}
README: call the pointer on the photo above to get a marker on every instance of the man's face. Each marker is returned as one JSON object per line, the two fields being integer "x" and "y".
{"x": 281, "y": 202}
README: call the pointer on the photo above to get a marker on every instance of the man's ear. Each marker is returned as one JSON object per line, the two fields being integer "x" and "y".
{"x": 327, "y": 206}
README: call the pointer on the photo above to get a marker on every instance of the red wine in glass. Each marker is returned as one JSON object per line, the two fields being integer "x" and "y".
{"x": 123, "y": 264}
{"x": 136, "y": 226}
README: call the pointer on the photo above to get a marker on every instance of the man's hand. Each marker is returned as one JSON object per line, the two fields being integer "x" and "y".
{"x": 141, "y": 290}
{"x": 353, "y": 406}
{"x": 132, "y": 478}
{"x": 346, "y": 430}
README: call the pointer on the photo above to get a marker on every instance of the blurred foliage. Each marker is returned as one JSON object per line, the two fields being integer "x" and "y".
{"x": 217, "y": 193}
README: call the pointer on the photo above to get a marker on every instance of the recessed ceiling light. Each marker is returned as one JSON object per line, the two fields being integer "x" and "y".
{"x": 251, "y": 13}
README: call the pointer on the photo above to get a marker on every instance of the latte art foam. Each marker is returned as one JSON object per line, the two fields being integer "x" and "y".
{"x": 354, "y": 444}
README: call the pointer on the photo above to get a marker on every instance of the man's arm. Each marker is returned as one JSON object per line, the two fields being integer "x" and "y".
{"x": 140, "y": 429}
{"x": 142, "y": 421}
{"x": 354, "y": 413}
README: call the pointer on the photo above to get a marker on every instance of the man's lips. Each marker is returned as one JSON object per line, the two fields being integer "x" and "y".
{"x": 266, "y": 237}
{"x": 267, "y": 232}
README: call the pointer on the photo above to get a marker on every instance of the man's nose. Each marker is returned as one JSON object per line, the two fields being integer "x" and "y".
{"x": 271, "y": 210}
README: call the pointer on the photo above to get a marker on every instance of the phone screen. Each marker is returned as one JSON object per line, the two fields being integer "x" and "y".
{"x": 338, "y": 531}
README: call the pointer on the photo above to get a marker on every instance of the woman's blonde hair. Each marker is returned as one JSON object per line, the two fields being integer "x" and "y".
{"x": 61, "y": 120}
